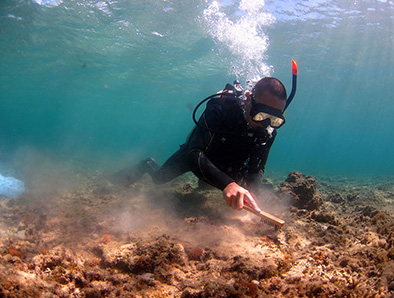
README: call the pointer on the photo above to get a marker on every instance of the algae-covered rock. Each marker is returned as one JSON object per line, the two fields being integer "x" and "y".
{"x": 303, "y": 191}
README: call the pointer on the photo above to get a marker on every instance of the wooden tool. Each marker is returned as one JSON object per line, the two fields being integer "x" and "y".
{"x": 268, "y": 218}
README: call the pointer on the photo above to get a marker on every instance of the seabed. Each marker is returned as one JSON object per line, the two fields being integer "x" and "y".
{"x": 89, "y": 238}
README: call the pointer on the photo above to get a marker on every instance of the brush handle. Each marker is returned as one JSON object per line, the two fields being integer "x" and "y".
{"x": 266, "y": 216}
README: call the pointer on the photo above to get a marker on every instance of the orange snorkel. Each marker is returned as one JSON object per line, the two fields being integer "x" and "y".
{"x": 294, "y": 71}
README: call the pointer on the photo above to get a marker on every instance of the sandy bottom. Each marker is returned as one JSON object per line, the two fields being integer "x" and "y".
{"x": 87, "y": 238}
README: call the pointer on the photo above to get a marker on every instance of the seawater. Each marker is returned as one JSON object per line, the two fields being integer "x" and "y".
{"x": 110, "y": 82}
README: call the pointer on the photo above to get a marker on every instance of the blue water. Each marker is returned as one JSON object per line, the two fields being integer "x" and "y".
{"x": 107, "y": 82}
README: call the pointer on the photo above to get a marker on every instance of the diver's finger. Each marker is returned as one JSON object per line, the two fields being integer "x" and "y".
{"x": 240, "y": 200}
{"x": 246, "y": 202}
{"x": 251, "y": 201}
{"x": 234, "y": 202}
{"x": 228, "y": 201}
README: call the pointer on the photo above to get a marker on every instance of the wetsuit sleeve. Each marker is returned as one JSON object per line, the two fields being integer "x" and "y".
{"x": 200, "y": 142}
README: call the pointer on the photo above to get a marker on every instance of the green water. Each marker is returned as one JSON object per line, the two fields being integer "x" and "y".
{"x": 107, "y": 82}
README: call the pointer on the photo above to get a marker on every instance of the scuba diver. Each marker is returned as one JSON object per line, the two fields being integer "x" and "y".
{"x": 229, "y": 146}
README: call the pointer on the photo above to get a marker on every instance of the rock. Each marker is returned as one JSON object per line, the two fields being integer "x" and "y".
{"x": 191, "y": 293}
{"x": 302, "y": 212}
{"x": 143, "y": 257}
{"x": 388, "y": 275}
{"x": 352, "y": 197}
{"x": 369, "y": 211}
{"x": 148, "y": 279}
{"x": 267, "y": 184}
{"x": 324, "y": 217}
{"x": 336, "y": 198}
{"x": 195, "y": 253}
{"x": 303, "y": 191}
{"x": 92, "y": 293}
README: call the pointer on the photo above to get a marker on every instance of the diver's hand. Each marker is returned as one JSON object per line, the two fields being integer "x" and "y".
{"x": 237, "y": 196}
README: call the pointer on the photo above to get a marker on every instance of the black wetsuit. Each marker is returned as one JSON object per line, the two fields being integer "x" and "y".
{"x": 221, "y": 149}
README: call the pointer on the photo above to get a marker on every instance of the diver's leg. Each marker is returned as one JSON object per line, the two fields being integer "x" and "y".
{"x": 131, "y": 174}
{"x": 172, "y": 168}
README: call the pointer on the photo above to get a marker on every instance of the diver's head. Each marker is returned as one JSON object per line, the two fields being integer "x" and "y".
{"x": 265, "y": 105}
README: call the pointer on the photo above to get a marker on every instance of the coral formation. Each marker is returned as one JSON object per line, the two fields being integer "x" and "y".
{"x": 303, "y": 191}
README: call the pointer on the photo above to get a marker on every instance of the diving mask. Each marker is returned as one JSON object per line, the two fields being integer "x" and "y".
{"x": 262, "y": 113}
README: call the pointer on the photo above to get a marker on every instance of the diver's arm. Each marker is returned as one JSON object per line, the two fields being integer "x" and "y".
{"x": 199, "y": 142}
{"x": 204, "y": 169}
{"x": 235, "y": 195}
